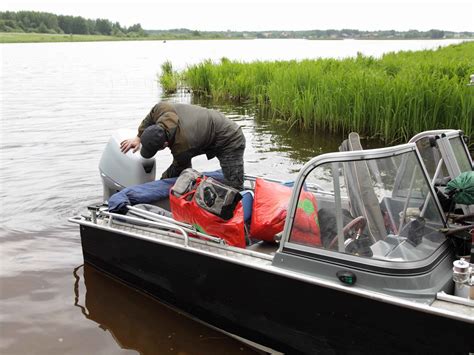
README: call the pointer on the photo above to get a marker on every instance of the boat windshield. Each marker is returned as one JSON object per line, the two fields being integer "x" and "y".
{"x": 461, "y": 153}
{"x": 445, "y": 157}
{"x": 381, "y": 208}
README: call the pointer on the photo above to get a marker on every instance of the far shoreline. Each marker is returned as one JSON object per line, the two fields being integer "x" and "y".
{"x": 18, "y": 37}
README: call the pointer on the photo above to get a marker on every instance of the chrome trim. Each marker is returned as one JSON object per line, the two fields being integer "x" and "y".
{"x": 367, "y": 264}
{"x": 437, "y": 132}
{"x": 338, "y": 208}
{"x": 454, "y": 299}
{"x": 449, "y": 134}
{"x": 167, "y": 226}
{"x": 163, "y": 219}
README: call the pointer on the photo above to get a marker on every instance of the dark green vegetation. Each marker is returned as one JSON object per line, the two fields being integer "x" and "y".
{"x": 393, "y": 97}
{"x": 169, "y": 80}
{"x": 43, "y": 22}
{"x": 13, "y": 25}
{"x": 47, "y": 37}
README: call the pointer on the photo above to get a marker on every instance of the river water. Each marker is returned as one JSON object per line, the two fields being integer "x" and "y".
{"x": 60, "y": 103}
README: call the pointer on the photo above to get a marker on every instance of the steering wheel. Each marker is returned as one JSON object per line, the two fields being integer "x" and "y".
{"x": 357, "y": 226}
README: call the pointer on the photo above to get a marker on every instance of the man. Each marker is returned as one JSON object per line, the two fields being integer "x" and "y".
{"x": 188, "y": 131}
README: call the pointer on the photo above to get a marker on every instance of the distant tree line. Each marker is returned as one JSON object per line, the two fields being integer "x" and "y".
{"x": 44, "y": 22}
{"x": 312, "y": 34}
{"x": 359, "y": 34}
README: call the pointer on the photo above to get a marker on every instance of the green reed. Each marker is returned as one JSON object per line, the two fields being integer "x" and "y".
{"x": 169, "y": 79}
{"x": 392, "y": 97}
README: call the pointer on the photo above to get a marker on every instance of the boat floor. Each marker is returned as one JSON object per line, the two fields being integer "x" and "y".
{"x": 263, "y": 247}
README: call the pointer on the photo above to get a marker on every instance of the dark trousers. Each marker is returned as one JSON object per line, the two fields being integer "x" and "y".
{"x": 232, "y": 164}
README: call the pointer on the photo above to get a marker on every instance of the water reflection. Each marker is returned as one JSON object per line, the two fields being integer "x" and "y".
{"x": 140, "y": 323}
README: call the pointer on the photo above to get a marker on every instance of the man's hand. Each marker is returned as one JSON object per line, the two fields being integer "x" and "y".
{"x": 128, "y": 144}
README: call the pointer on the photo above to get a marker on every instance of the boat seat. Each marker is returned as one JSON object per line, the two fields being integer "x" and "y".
{"x": 363, "y": 200}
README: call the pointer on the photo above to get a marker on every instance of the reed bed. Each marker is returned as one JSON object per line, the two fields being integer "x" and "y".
{"x": 392, "y": 97}
{"x": 169, "y": 79}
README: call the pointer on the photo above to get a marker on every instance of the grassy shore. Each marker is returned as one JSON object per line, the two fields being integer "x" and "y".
{"x": 10, "y": 37}
{"x": 16, "y": 37}
{"x": 393, "y": 97}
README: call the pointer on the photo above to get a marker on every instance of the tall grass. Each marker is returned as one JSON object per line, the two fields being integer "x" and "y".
{"x": 393, "y": 97}
{"x": 169, "y": 79}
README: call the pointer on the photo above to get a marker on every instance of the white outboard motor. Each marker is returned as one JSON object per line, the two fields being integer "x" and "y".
{"x": 119, "y": 170}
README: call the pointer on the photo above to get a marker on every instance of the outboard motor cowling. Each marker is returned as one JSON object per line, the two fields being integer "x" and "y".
{"x": 119, "y": 170}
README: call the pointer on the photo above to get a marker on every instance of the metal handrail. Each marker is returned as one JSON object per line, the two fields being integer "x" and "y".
{"x": 186, "y": 227}
{"x": 153, "y": 223}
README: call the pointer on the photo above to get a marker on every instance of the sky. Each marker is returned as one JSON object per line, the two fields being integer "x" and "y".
{"x": 261, "y": 15}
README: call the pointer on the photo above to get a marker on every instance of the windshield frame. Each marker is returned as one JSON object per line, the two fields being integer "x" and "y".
{"x": 339, "y": 157}
{"x": 448, "y": 160}
{"x": 449, "y": 134}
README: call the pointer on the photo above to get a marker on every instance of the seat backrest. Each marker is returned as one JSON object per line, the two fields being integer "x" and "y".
{"x": 363, "y": 200}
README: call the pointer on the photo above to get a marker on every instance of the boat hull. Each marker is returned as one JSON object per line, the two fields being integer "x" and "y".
{"x": 284, "y": 313}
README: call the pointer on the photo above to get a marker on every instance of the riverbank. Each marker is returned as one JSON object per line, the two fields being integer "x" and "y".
{"x": 18, "y": 37}
{"x": 13, "y": 37}
{"x": 393, "y": 97}
{"x": 32, "y": 37}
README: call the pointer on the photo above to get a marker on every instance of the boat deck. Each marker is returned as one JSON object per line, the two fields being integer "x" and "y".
{"x": 454, "y": 307}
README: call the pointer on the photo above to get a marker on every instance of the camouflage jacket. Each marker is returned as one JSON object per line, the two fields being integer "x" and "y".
{"x": 193, "y": 130}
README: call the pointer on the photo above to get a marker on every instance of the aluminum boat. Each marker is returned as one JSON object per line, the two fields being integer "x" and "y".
{"x": 379, "y": 279}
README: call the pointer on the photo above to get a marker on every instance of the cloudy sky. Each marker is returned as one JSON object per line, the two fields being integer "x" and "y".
{"x": 451, "y": 15}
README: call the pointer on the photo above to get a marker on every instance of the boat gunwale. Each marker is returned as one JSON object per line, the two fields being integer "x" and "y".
{"x": 178, "y": 237}
{"x": 267, "y": 267}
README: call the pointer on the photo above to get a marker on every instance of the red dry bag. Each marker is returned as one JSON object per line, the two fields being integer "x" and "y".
{"x": 185, "y": 209}
{"x": 269, "y": 213}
